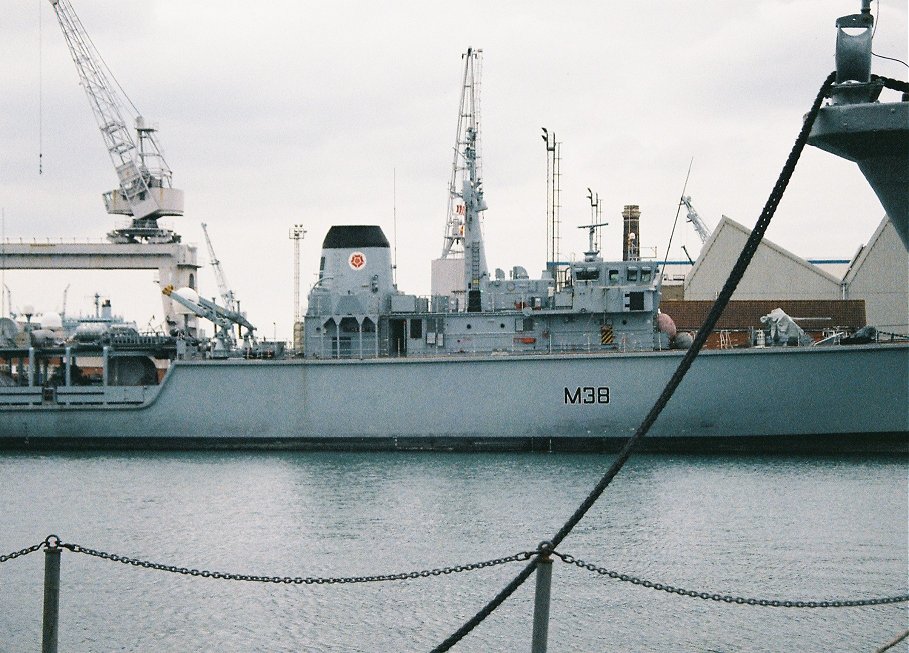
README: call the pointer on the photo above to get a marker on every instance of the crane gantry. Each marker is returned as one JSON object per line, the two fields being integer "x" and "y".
{"x": 145, "y": 191}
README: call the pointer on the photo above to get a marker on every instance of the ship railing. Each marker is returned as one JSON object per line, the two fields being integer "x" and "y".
{"x": 477, "y": 345}
{"x": 35, "y": 376}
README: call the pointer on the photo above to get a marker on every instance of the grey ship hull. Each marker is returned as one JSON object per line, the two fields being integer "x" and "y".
{"x": 784, "y": 399}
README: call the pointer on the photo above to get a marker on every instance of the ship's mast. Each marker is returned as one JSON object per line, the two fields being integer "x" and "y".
{"x": 553, "y": 202}
{"x": 467, "y": 143}
{"x": 594, "y": 246}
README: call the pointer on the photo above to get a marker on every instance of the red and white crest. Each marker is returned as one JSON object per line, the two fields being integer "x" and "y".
{"x": 357, "y": 260}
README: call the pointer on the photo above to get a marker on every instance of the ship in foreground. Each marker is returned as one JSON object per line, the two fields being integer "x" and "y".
{"x": 571, "y": 360}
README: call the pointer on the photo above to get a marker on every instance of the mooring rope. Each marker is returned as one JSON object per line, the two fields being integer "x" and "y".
{"x": 706, "y": 328}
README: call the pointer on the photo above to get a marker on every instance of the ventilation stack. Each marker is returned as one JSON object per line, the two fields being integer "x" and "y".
{"x": 631, "y": 233}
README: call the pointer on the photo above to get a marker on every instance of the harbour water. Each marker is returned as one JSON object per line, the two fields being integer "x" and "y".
{"x": 788, "y": 528}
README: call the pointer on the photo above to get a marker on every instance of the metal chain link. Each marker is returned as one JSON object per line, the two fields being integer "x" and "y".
{"x": 296, "y": 580}
{"x": 726, "y": 598}
{"x": 53, "y": 541}
{"x": 23, "y": 552}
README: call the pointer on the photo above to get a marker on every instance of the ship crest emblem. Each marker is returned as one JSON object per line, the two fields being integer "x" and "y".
{"x": 357, "y": 260}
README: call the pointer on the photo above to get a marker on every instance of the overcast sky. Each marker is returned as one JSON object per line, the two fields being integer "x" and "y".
{"x": 275, "y": 113}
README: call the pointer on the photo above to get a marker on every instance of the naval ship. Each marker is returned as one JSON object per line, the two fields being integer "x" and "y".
{"x": 572, "y": 360}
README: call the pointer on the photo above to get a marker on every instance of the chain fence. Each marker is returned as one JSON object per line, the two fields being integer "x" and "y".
{"x": 544, "y": 549}
{"x": 726, "y": 598}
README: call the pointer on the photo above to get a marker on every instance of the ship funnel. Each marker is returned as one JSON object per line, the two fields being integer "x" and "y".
{"x": 859, "y": 128}
{"x": 356, "y": 258}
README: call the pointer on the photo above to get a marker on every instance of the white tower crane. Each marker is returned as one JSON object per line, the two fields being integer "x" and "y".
{"x": 227, "y": 295}
{"x": 145, "y": 191}
{"x": 699, "y": 225}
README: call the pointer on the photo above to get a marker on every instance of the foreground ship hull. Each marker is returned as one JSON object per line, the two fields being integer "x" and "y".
{"x": 788, "y": 399}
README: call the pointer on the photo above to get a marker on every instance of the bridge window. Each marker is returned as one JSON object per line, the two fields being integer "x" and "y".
{"x": 587, "y": 274}
{"x": 416, "y": 329}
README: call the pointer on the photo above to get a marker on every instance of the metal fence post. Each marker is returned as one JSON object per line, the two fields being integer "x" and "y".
{"x": 51, "y": 595}
{"x": 541, "y": 602}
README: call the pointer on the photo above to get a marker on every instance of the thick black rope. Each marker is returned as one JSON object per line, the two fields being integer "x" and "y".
{"x": 704, "y": 331}
{"x": 891, "y": 83}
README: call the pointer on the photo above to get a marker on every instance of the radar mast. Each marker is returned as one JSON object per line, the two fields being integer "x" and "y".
{"x": 461, "y": 269}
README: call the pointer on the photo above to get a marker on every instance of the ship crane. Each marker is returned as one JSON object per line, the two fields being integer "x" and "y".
{"x": 699, "y": 225}
{"x": 223, "y": 319}
{"x": 227, "y": 295}
{"x": 145, "y": 192}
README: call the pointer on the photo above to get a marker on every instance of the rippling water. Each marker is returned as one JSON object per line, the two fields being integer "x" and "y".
{"x": 776, "y": 528}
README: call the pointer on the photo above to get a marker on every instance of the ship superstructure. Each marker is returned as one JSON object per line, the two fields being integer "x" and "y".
{"x": 356, "y": 312}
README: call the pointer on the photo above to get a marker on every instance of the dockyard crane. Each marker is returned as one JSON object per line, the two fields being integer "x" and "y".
{"x": 145, "y": 192}
{"x": 227, "y": 295}
{"x": 695, "y": 219}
